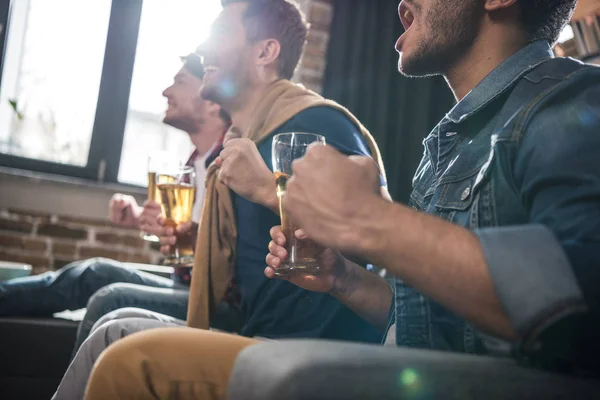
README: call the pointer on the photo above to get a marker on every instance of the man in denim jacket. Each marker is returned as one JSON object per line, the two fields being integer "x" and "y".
{"x": 501, "y": 239}
{"x": 502, "y": 236}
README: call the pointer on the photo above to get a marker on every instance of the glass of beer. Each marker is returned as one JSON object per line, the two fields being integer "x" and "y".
{"x": 177, "y": 191}
{"x": 155, "y": 162}
{"x": 288, "y": 147}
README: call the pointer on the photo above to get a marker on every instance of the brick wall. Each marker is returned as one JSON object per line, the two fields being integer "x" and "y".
{"x": 48, "y": 242}
{"x": 312, "y": 65}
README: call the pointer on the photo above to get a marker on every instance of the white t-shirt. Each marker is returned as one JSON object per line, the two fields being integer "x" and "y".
{"x": 200, "y": 169}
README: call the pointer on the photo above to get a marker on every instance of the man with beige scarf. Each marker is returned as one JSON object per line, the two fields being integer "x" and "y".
{"x": 253, "y": 50}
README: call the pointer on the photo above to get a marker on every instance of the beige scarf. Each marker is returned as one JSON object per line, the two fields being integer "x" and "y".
{"x": 217, "y": 234}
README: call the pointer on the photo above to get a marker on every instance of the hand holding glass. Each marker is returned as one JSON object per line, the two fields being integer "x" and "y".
{"x": 177, "y": 191}
{"x": 288, "y": 147}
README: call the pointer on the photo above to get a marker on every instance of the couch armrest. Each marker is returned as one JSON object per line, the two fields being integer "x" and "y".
{"x": 303, "y": 370}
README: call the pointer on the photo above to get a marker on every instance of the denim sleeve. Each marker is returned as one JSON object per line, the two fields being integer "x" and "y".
{"x": 546, "y": 287}
{"x": 557, "y": 172}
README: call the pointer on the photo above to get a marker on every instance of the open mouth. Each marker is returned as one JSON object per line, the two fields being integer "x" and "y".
{"x": 406, "y": 16}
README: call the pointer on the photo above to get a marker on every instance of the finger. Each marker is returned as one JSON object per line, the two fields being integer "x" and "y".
{"x": 161, "y": 221}
{"x": 277, "y": 235}
{"x": 165, "y": 250}
{"x": 153, "y": 229}
{"x": 119, "y": 205}
{"x": 219, "y": 161}
{"x": 301, "y": 234}
{"x": 167, "y": 240}
{"x": 185, "y": 227}
{"x": 221, "y": 176}
{"x": 277, "y": 250}
{"x": 272, "y": 261}
{"x": 151, "y": 205}
{"x": 368, "y": 163}
{"x": 269, "y": 272}
{"x": 232, "y": 141}
{"x": 225, "y": 153}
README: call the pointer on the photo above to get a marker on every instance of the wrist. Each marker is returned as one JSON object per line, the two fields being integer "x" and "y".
{"x": 368, "y": 229}
{"x": 345, "y": 280}
{"x": 266, "y": 195}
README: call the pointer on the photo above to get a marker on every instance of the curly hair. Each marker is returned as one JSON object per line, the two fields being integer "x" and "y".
{"x": 281, "y": 20}
{"x": 545, "y": 19}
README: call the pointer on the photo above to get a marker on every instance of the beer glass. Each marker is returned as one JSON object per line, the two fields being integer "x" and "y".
{"x": 156, "y": 161}
{"x": 288, "y": 147}
{"x": 177, "y": 191}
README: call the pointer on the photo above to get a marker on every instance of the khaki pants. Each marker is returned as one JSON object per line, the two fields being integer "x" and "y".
{"x": 169, "y": 363}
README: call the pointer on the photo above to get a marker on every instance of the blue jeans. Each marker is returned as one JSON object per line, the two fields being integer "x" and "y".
{"x": 70, "y": 288}
{"x": 170, "y": 302}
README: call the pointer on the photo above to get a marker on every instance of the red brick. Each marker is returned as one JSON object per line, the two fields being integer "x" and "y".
{"x": 90, "y": 252}
{"x": 109, "y": 238}
{"x": 23, "y": 242}
{"x": 34, "y": 260}
{"x": 11, "y": 224}
{"x": 85, "y": 221}
{"x": 314, "y": 63}
{"x": 314, "y": 52}
{"x": 29, "y": 213}
{"x": 310, "y": 80}
{"x": 60, "y": 262}
{"x": 35, "y": 244}
{"x": 320, "y": 16}
{"x": 64, "y": 248}
{"x": 11, "y": 241}
{"x": 134, "y": 242}
{"x": 317, "y": 40}
{"x": 61, "y": 231}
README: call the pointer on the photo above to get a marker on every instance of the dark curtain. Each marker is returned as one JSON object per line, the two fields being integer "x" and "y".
{"x": 362, "y": 74}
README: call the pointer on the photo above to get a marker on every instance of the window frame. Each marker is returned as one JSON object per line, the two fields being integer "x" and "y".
{"x": 108, "y": 130}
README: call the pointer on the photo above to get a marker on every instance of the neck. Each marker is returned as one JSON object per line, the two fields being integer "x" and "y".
{"x": 204, "y": 138}
{"x": 485, "y": 55}
{"x": 243, "y": 111}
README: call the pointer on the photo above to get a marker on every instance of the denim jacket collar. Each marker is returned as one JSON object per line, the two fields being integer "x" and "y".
{"x": 500, "y": 79}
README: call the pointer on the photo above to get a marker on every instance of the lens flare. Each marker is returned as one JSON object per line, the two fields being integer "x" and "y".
{"x": 409, "y": 377}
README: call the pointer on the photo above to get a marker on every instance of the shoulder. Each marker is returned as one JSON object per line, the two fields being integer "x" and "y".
{"x": 564, "y": 127}
{"x": 336, "y": 126}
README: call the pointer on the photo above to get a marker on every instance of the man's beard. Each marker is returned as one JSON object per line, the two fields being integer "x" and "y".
{"x": 185, "y": 124}
{"x": 227, "y": 88}
{"x": 452, "y": 33}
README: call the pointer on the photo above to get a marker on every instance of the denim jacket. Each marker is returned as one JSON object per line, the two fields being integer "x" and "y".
{"x": 522, "y": 148}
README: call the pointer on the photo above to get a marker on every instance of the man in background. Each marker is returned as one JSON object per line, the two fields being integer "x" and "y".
{"x": 71, "y": 287}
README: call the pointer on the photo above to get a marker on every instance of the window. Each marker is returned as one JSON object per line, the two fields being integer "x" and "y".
{"x": 183, "y": 25}
{"x": 49, "y": 90}
{"x": 81, "y": 83}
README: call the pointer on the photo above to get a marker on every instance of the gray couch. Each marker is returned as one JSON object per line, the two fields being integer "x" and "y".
{"x": 303, "y": 370}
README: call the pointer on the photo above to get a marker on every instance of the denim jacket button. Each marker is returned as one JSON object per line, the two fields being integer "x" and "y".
{"x": 465, "y": 194}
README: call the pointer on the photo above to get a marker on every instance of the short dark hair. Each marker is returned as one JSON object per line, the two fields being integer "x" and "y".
{"x": 545, "y": 19}
{"x": 193, "y": 63}
{"x": 281, "y": 20}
